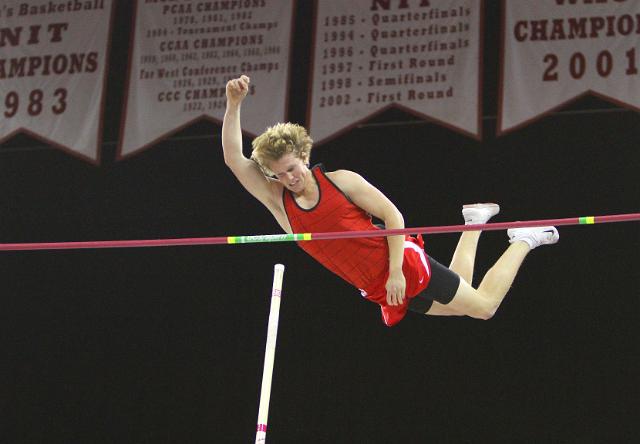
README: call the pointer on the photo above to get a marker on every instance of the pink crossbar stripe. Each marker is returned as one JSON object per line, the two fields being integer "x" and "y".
{"x": 262, "y": 428}
{"x": 314, "y": 236}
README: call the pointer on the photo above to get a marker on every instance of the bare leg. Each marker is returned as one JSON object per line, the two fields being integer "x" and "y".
{"x": 499, "y": 278}
{"x": 463, "y": 262}
{"x": 438, "y": 309}
{"x": 484, "y": 302}
{"x": 464, "y": 256}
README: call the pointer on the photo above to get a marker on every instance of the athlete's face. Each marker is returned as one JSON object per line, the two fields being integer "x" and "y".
{"x": 290, "y": 171}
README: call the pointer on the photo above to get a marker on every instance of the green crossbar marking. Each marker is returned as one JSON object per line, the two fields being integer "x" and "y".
{"x": 268, "y": 238}
{"x": 587, "y": 220}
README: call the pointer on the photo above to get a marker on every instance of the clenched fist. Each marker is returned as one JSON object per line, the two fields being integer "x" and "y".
{"x": 237, "y": 89}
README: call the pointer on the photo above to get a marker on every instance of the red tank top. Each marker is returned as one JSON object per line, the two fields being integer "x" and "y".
{"x": 362, "y": 262}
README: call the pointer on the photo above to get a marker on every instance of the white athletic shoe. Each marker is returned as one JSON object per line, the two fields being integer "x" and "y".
{"x": 479, "y": 213}
{"x": 534, "y": 236}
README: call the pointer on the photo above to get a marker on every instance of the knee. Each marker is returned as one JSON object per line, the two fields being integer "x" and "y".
{"x": 483, "y": 315}
{"x": 486, "y": 315}
{"x": 484, "y": 311}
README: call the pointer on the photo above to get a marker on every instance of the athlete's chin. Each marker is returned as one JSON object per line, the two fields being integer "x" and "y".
{"x": 296, "y": 188}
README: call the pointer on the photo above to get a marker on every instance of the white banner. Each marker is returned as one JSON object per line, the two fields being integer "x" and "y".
{"x": 557, "y": 50}
{"x": 422, "y": 56}
{"x": 52, "y": 71}
{"x": 184, "y": 53}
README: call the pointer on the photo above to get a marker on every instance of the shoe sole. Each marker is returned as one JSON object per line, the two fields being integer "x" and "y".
{"x": 481, "y": 205}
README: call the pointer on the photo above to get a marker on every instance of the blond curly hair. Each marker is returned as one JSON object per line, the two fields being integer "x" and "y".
{"x": 278, "y": 140}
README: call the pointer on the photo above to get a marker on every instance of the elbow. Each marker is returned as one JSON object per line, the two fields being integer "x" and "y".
{"x": 394, "y": 219}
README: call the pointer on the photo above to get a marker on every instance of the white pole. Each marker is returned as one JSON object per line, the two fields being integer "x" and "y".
{"x": 269, "y": 354}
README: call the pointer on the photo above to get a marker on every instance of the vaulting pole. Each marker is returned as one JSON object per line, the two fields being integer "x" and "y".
{"x": 269, "y": 354}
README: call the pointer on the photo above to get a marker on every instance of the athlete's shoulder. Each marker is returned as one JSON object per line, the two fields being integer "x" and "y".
{"x": 349, "y": 182}
{"x": 342, "y": 175}
{"x": 345, "y": 176}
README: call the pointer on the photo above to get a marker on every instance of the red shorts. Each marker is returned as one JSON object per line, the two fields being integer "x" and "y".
{"x": 417, "y": 273}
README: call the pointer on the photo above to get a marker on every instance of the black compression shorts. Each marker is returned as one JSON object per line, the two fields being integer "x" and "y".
{"x": 442, "y": 287}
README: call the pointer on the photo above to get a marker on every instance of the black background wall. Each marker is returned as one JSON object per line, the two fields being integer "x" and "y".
{"x": 166, "y": 345}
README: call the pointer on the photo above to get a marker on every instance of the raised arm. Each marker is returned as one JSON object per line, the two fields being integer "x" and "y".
{"x": 246, "y": 170}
